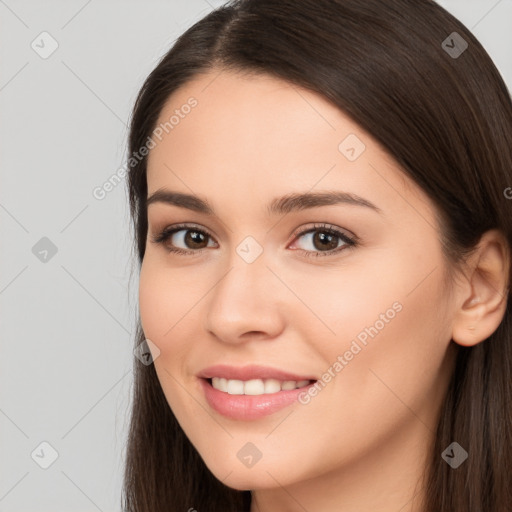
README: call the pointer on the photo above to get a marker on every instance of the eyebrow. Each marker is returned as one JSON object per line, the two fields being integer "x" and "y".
{"x": 278, "y": 206}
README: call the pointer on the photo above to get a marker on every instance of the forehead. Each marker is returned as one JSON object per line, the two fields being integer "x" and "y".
{"x": 253, "y": 117}
{"x": 224, "y": 133}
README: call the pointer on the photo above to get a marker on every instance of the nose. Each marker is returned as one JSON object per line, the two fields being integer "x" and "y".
{"x": 246, "y": 303}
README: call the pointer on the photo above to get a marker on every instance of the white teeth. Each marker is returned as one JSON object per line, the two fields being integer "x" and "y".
{"x": 289, "y": 384}
{"x": 223, "y": 384}
{"x": 272, "y": 386}
{"x": 235, "y": 387}
{"x": 220, "y": 383}
{"x": 255, "y": 386}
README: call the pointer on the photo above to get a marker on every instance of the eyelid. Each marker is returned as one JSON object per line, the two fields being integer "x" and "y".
{"x": 349, "y": 240}
{"x": 168, "y": 231}
{"x": 317, "y": 226}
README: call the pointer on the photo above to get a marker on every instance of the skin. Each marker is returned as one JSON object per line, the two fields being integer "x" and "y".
{"x": 362, "y": 442}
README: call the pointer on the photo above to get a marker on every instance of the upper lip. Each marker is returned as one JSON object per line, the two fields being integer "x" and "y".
{"x": 250, "y": 372}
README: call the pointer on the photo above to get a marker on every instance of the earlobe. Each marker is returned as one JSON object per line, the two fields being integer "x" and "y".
{"x": 483, "y": 307}
{"x": 467, "y": 326}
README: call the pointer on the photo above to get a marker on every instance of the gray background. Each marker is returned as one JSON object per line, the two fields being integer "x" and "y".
{"x": 67, "y": 318}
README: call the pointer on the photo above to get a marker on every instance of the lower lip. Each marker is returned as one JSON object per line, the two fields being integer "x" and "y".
{"x": 249, "y": 407}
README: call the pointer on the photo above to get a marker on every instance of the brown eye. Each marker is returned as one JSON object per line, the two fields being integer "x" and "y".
{"x": 323, "y": 240}
{"x": 194, "y": 239}
{"x": 183, "y": 239}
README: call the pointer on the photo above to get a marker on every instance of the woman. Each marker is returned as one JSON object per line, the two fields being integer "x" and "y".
{"x": 320, "y": 193}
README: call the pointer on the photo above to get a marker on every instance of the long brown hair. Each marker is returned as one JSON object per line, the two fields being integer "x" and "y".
{"x": 445, "y": 115}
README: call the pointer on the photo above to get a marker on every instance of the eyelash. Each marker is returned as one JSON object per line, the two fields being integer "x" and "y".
{"x": 166, "y": 233}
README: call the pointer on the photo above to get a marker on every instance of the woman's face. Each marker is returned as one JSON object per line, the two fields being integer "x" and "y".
{"x": 271, "y": 289}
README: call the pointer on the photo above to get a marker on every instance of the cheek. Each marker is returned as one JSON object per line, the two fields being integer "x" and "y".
{"x": 391, "y": 334}
{"x": 344, "y": 302}
{"x": 385, "y": 309}
{"x": 151, "y": 297}
{"x": 169, "y": 304}
{"x": 161, "y": 302}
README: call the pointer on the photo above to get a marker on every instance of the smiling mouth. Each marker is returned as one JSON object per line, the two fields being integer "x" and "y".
{"x": 255, "y": 387}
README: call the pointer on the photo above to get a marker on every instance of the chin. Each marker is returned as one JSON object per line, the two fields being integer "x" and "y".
{"x": 251, "y": 479}
{"x": 262, "y": 475}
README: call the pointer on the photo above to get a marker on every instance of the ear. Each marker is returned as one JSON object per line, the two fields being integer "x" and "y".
{"x": 483, "y": 298}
